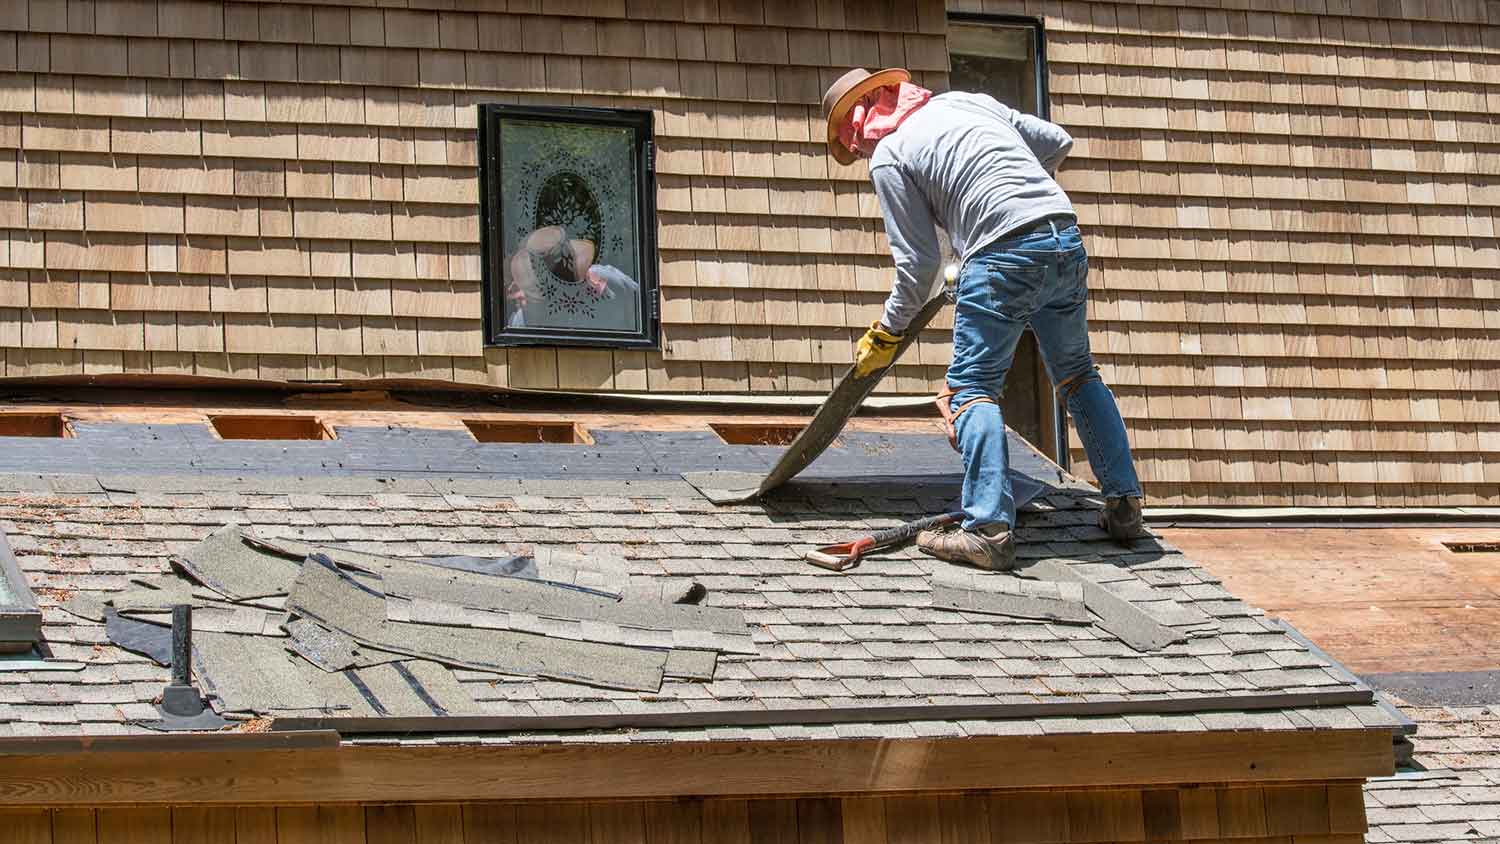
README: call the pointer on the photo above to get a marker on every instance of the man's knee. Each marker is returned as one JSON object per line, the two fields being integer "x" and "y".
{"x": 1069, "y": 385}
{"x": 953, "y": 404}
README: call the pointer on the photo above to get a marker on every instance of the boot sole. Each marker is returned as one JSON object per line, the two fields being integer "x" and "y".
{"x": 1007, "y": 564}
{"x": 1124, "y": 534}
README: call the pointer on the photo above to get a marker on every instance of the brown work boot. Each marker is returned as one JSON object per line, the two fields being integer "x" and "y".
{"x": 991, "y": 549}
{"x": 1122, "y": 520}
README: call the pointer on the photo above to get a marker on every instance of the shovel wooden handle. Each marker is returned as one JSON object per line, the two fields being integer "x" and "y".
{"x": 846, "y": 554}
{"x": 909, "y": 531}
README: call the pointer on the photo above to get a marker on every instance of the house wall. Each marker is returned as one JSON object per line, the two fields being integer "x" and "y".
{"x": 1298, "y": 814}
{"x": 1290, "y": 214}
{"x": 1289, "y": 210}
{"x": 268, "y": 190}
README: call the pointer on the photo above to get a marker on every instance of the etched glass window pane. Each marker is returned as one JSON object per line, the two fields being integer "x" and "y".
{"x": 568, "y": 200}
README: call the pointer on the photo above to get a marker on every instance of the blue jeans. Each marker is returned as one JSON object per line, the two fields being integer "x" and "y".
{"x": 1037, "y": 277}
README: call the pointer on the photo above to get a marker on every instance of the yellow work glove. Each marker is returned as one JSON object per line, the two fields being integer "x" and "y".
{"x": 876, "y": 350}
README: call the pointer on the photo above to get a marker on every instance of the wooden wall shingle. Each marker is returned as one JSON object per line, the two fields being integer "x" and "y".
{"x": 1290, "y": 215}
{"x": 295, "y": 186}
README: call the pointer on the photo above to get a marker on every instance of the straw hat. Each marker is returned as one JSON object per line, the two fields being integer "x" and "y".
{"x": 843, "y": 94}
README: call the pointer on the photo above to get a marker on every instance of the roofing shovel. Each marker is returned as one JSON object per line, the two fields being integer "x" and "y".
{"x": 846, "y": 555}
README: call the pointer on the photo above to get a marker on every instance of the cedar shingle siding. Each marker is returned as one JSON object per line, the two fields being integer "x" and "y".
{"x": 1315, "y": 813}
{"x": 1289, "y": 210}
{"x": 284, "y": 192}
{"x": 1290, "y": 219}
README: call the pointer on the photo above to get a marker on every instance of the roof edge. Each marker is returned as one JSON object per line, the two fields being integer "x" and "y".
{"x": 156, "y": 743}
{"x": 826, "y": 715}
{"x": 614, "y": 770}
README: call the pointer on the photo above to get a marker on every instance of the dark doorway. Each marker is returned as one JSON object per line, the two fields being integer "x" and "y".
{"x": 1003, "y": 57}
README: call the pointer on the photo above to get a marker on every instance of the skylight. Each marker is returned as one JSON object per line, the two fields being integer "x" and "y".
{"x": 20, "y": 620}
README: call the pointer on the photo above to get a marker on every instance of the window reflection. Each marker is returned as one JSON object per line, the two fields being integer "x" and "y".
{"x": 995, "y": 60}
{"x": 571, "y": 227}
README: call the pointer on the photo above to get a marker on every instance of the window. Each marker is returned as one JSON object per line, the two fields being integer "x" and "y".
{"x": 999, "y": 57}
{"x": 1004, "y": 57}
{"x": 568, "y": 226}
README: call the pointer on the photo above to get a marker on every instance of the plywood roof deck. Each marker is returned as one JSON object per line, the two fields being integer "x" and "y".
{"x": 1379, "y": 599}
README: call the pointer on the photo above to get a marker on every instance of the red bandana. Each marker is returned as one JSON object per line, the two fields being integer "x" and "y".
{"x": 880, "y": 112}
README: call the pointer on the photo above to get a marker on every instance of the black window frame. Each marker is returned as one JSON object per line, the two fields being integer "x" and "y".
{"x": 491, "y": 233}
{"x": 1039, "y": 33}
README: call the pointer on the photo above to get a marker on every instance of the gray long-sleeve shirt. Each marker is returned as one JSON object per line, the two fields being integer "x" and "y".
{"x": 975, "y": 167}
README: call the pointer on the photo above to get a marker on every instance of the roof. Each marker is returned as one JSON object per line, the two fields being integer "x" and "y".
{"x": 859, "y": 654}
{"x": 1454, "y": 794}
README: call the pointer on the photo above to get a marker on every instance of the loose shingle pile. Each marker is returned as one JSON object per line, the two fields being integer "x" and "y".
{"x": 288, "y": 627}
{"x": 1110, "y": 597}
{"x": 1002, "y": 594}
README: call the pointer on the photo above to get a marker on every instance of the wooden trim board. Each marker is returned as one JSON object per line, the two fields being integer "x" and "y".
{"x": 1328, "y": 812}
{"x": 159, "y": 744}
{"x": 355, "y": 773}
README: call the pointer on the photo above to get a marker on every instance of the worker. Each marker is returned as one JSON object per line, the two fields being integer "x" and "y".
{"x": 983, "y": 172}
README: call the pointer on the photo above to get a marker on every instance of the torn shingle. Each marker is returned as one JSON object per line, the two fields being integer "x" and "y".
{"x": 221, "y": 618}
{"x": 225, "y": 563}
{"x": 514, "y": 604}
{"x": 420, "y": 611}
{"x": 414, "y": 688}
{"x": 88, "y": 605}
{"x": 357, "y": 607}
{"x": 513, "y": 566}
{"x": 320, "y": 646}
{"x": 1008, "y": 595}
{"x": 725, "y": 487}
{"x": 600, "y": 574}
{"x": 1176, "y": 614}
{"x": 297, "y": 550}
{"x": 1119, "y": 617}
{"x": 255, "y": 674}
{"x": 685, "y": 664}
{"x": 331, "y": 650}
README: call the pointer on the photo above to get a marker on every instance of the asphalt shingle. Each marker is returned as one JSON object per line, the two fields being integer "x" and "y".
{"x": 825, "y": 640}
